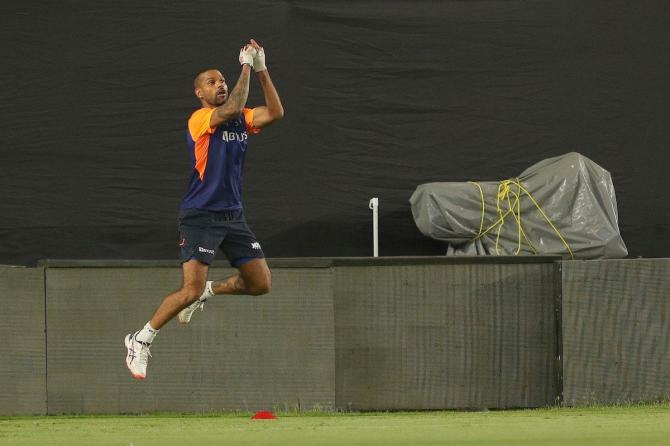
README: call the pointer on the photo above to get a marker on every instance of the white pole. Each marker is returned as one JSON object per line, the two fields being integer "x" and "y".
{"x": 374, "y": 205}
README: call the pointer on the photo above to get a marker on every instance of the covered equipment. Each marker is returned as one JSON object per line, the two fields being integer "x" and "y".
{"x": 560, "y": 206}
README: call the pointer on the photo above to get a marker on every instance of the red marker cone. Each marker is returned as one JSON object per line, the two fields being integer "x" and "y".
{"x": 264, "y": 415}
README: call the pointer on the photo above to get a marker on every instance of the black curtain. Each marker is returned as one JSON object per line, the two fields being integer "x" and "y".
{"x": 380, "y": 96}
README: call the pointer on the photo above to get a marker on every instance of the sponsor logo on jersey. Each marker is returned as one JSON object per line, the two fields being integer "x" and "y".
{"x": 234, "y": 136}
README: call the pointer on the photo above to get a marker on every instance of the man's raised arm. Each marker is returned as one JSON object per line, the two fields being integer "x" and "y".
{"x": 273, "y": 109}
{"x": 238, "y": 97}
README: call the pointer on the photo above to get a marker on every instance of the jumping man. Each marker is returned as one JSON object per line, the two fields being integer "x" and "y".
{"x": 211, "y": 214}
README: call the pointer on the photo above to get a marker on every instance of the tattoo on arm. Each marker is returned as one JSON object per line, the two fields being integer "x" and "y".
{"x": 237, "y": 98}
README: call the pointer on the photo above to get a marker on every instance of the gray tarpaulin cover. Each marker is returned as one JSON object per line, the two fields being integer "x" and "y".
{"x": 565, "y": 205}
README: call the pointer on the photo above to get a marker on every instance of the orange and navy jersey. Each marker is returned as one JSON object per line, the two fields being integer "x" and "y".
{"x": 217, "y": 156}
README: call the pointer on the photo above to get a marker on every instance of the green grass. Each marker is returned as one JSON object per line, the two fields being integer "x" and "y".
{"x": 641, "y": 425}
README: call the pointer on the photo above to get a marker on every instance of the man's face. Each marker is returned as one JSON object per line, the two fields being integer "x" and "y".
{"x": 212, "y": 88}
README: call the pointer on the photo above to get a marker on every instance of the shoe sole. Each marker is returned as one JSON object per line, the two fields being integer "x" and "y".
{"x": 183, "y": 321}
{"x": 139, "y": 377}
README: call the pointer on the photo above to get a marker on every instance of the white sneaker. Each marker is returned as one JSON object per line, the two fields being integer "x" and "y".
{"x": 138, "y": 356}
{"x": 185, "y": 315}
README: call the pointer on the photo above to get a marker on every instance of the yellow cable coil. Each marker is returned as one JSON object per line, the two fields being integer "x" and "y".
{"x": 510, "y": 192}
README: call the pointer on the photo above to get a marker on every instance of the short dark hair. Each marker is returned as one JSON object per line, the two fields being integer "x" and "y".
{"x": 197, "y": 80}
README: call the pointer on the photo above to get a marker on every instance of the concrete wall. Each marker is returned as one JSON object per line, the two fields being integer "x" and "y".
{"x": 241, "y": 353}
{"x": 616, "y": 331}
{"x": 22, "y": 342}
{"x": 409, "y": 333}
{"x": 446, "y": 336}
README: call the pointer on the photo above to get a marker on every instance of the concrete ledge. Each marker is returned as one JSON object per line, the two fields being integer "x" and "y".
{"x": 308, "y": 262}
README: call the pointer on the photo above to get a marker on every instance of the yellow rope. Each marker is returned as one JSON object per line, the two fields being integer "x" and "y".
{"x": 560, "y": 236}
{"x": 481, "y": 194}
{"x": 512, "y": 198}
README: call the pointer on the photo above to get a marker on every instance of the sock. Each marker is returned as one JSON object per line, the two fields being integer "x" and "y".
{"x": 209, "y": 292}
{"x": 147, "y": 334}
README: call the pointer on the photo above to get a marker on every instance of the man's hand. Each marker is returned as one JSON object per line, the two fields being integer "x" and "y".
{"x": 247, "y": 55}
{"x": 259, "y": 59}
{"x": 273, "y": 109}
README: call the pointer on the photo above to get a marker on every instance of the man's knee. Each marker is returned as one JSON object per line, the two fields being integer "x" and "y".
{"x": 191, "y": 292}
{"x": 261, "y": 285}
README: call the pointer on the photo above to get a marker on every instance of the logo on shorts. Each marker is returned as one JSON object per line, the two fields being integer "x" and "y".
{"x": 208, "y": 251}
{"x": 256, "y": 245}
{"x": 182, "y": 242}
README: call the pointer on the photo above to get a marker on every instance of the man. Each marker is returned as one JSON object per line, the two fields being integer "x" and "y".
{"x": 211, "y": 214}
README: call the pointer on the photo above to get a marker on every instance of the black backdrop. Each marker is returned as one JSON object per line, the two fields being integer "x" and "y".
{"x": 379, "y": 97}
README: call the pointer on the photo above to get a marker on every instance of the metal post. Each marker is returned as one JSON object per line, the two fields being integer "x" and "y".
{"x": 374, "y": 205}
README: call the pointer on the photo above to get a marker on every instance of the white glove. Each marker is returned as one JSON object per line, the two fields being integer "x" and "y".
{"x": 247, "y": 55}
{"x": 259, "y": 61}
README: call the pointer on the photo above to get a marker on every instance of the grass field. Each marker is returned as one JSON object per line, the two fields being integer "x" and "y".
{"x": 624, "y": 425}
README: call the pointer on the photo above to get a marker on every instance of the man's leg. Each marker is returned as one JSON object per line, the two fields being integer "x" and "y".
{"x": 254, "y": 279}
{"x": 244, "y": 252}
{"x": 195, "y": 276}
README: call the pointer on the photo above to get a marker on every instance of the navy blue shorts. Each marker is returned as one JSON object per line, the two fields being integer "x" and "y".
{"x": 202, "y": 232}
